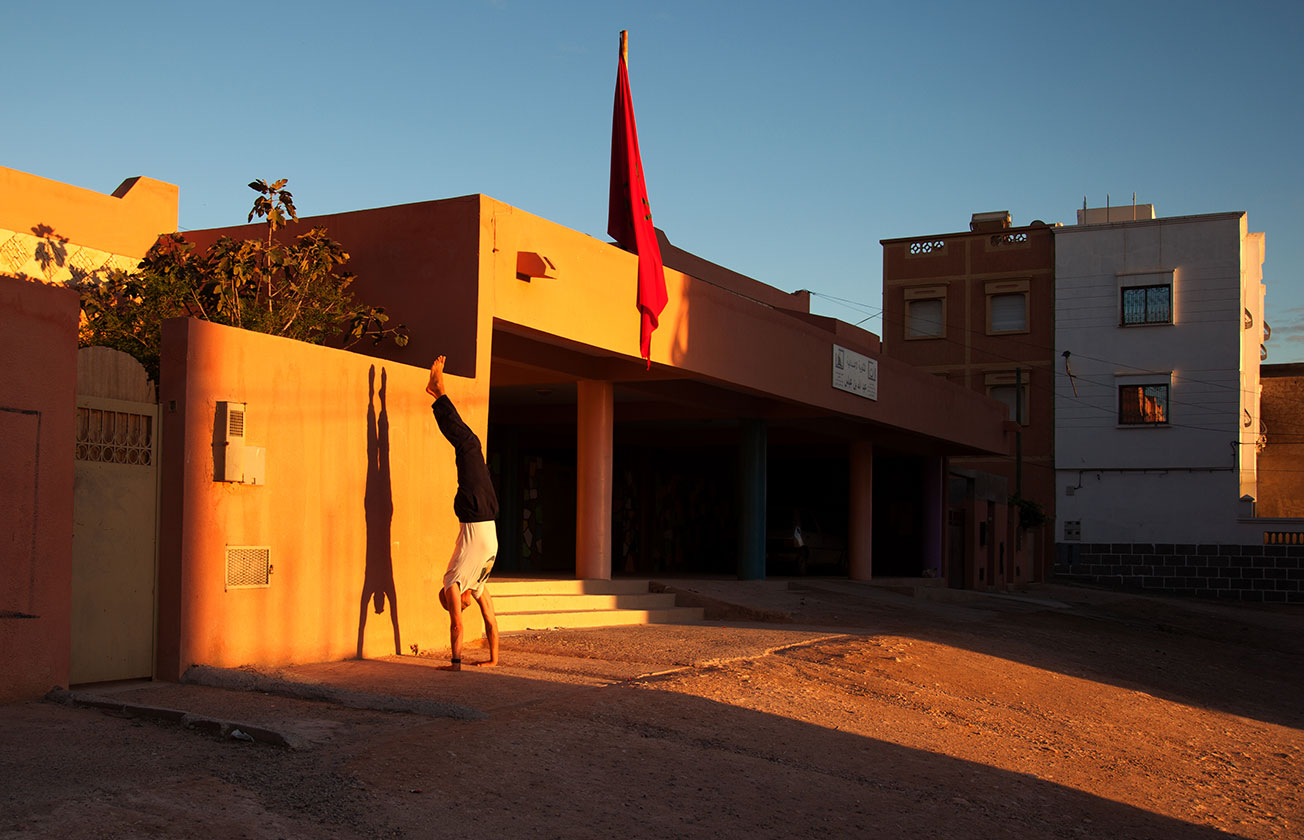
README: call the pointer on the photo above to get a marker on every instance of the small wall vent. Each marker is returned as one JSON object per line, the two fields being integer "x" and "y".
{"x": 248, "y": 566}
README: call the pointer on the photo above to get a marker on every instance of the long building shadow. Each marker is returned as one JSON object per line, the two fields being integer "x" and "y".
{"x": 660, "y": 763}
{"x": 378, "y": 507}
{"x": 1229, "y": 658}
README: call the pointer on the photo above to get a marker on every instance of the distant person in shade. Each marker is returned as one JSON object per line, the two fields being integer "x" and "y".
{"x": 476, "y": 506}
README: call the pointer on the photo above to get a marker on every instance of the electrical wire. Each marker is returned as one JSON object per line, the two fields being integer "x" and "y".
{"x": 1085, "y": 377}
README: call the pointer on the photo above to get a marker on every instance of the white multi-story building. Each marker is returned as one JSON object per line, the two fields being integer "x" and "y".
{"x": 1158, "y": 335}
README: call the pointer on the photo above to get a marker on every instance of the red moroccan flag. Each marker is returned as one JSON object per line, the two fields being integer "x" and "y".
{"x": 629, "y": 216}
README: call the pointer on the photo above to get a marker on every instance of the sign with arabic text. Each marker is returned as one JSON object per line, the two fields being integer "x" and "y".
{"x": 855, "y": 373}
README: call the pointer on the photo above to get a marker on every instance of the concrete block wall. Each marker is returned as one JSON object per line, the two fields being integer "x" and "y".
{"x": 1262, "y": 573}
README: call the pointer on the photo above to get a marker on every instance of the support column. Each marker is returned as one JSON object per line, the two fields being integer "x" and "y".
{"x": 751, "y": 481}
{"x": 507, "y": 444}
{"x": 595, "y": 422}
{"x": 934, "y": 513}
{"x": 860, "y": 533}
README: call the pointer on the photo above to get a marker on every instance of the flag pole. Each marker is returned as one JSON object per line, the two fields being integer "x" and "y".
{"x": 629, "y": 217}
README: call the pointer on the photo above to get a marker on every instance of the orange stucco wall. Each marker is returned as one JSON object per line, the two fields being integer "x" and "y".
{"x": 38, "y": 386}
{"x": 449, "y": 269}
{"x": 126, "y": 222}
{"x": 307, "y": 406}
{"x": 420, "y": 263}
{"x": 715, "y": 334}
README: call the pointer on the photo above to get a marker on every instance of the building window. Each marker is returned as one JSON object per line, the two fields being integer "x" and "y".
{"x": 1008, "y": 313}
{"x": 1006, "y": 388}
{"x": 1142, "y": 405}
{"x": 925, "y": 311}
{"x": 926, "y": 318}
{"x": 1007, "y": 306}
{"x": 1148, "y": 304}
{"x": 1009, "y": 395}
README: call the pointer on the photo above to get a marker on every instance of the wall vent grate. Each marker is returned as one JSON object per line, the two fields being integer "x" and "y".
{"x": 235, "y": 421}
{"x": 248, "y": 566}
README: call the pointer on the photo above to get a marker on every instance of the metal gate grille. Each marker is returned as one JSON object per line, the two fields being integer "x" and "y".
{"x": 248, "y": 566}
{"x": 114, "y": 437}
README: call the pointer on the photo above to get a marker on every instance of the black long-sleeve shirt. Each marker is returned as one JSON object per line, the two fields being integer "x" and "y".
{"x": 476, "y": 500}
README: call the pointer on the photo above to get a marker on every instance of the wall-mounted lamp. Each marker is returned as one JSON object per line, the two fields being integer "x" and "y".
{"x": 530, "y": 265}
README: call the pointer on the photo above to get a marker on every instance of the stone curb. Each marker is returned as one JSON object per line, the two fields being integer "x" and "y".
{"x": 253, "y": 681}
{"x": 241, "y": 679}
{"x": 211, "y": 726}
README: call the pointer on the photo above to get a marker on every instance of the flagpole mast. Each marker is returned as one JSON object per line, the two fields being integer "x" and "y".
{"x": 624, "y": 46}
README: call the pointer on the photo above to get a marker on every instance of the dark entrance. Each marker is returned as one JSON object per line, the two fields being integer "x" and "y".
{"x": 898, "y": 516}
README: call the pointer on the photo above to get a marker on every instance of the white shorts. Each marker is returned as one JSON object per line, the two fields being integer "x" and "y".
{"x": 473, "y": 557}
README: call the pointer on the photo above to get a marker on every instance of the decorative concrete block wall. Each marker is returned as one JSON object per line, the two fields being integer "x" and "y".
{"x": 1265, "y": 573}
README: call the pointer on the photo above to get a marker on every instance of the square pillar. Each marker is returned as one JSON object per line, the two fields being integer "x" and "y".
{"x": 934, "y": 502}
{"x": 595, "y": 422}
{"x": 753, "y": 466}
{"x": 860, "y": 499}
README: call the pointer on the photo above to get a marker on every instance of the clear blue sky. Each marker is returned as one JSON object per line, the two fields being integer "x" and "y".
{"x": 782, "y": 140}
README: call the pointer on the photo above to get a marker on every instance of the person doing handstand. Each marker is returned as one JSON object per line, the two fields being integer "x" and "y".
{"x": 476, "y": 506}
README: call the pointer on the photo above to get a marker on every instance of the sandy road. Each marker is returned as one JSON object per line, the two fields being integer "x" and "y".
{"x": 871, "y": 714}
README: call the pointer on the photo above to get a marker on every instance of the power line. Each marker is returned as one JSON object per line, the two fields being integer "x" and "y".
{"x": 1088, "y": 378}
{"x": 1031, "y": 345}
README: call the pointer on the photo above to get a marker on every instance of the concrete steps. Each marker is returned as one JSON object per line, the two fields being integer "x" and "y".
{"x": 551, "y": 604}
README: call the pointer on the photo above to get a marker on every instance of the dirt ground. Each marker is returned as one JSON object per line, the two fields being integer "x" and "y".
{"x": 859, "y": 712}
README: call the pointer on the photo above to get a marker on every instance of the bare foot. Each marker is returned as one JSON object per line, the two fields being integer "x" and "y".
{"x": 435, "y": 387}
{"x": 488, "y": 664}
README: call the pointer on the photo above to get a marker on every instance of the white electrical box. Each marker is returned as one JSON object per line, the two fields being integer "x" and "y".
{"x": 234, "y": 460}
{"x": 230, "y": 456}
{"x": 255, "y": 465}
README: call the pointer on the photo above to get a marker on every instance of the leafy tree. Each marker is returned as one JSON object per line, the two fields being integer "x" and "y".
{"x": 296, "y": 289}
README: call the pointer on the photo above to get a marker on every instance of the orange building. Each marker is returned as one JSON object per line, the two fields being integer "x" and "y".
{"x": 305, "y": 494}
{"x": 62, "y": 605}
{"x": 749, "y": 416}
{"x": 977, "y": 308}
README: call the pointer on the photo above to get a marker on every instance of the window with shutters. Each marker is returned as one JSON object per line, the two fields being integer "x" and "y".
{"x": 1006, "y": 387}
{"x": 925, "y": 312}
{"x": 1007, "y": 307}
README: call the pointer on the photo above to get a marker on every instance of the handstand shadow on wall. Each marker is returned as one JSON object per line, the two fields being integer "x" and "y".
{"x": 378, "y": 504}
